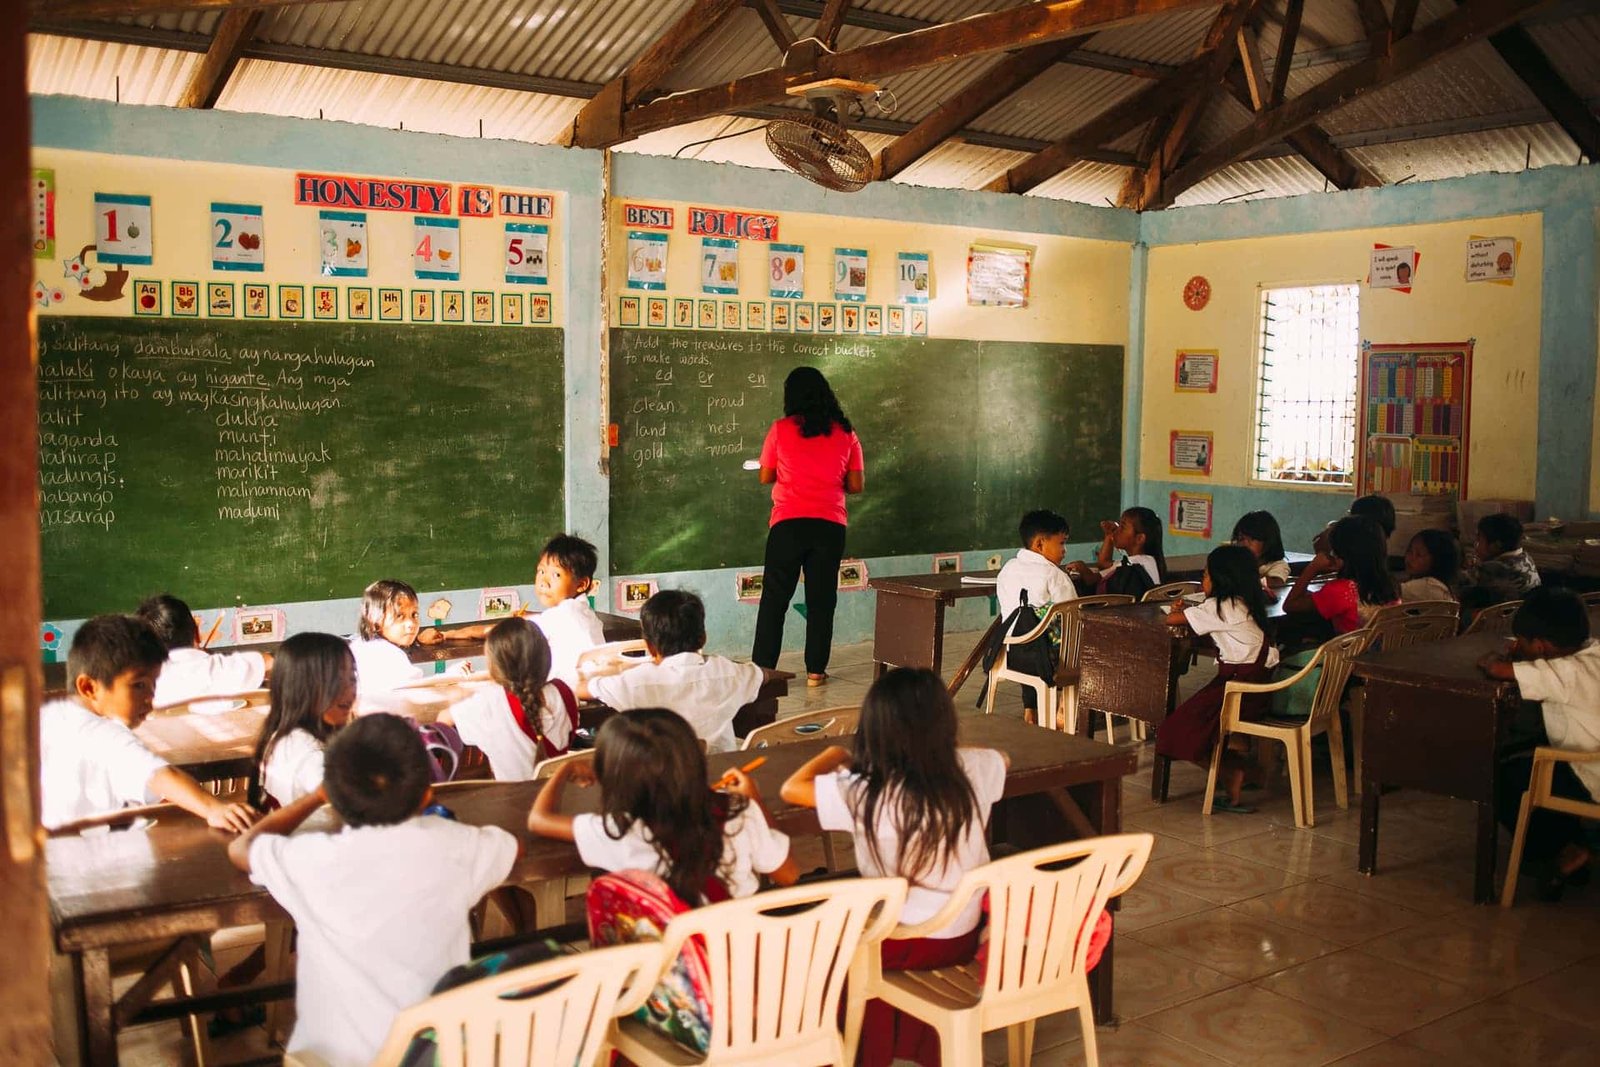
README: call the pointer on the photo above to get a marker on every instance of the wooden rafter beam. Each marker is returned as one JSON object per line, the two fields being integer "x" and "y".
{"x": 1313, "y": 145}
{"x": 1470, "y": 22}
{"x": 775, "y": 21}
{"x": 1528, "y": 62}
{"x": 1404, "y": 18}
{"x": 975, "y": 98}
{"x": 598, "y": 119}
{"x": 1285, "y": 57}
{"x": 1255, "y": 75}
{"x": 832, "y": 21}
{"x": 1375, "y": 21}
{"x": 1168, "y": 139}
{"x": 116, "y": 9}
{"x": 235, "y": 30}
{"x": 996, "y": 31}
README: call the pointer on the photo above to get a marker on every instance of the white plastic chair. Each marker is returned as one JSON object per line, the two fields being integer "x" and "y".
{"x": 631, "y": 652}
{"x": 1495, "y": 619}
{"x": 1335, "y": 658}
{"x": 1043, "y": 906}
{"x": 1067, "y": 621}
{"x": 552, "y": 1012}
{"x": 777, "y": 963}
{"x": 1538, "y": 795}
{"x": 1166, "y": 594}
{"x": 828, "y": 722}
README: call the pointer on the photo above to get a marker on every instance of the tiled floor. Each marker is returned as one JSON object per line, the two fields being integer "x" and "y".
{"x": 1249, "y": 942}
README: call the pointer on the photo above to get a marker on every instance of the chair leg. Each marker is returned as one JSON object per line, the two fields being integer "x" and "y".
{"x": 1518, "y": 839}
{"x": 1111, "y": 729}
{"x": 1211, "y": 774}
{"x": 1019, "y": 1044}
{"x": 1069, "y": 709}
{"x": 988, "y": 696}
{"x": 1341, "y": 794}
{"x": 1358, "y": 704}
{"x": 1091, "y": 1049}
{"x": 960, "y": 1040}
{"x": 1047, "y": 706}
{"x": 1297, "y": 791}
{"x": 1307, "y": 778}
{"x": 549, "y": 903}
{"x": 279, "y": 946}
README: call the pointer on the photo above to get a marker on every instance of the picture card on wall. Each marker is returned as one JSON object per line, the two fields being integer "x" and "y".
{"x": 872, "y": 319}
{"x": 391, "y": 305}
{"x": 755, "y": 315}
{"x": 527, "y": 253}
{"x": 238, "y": 238}
{"x": 747, "y": 586}
{"x": 999, "y": 274}
{"x": 631, "y": 594}
{"x": 913, "y": 280}
{"x": 422, "y": 305}
{"x": 719, "y": 265}
{"x": 343, "y": 239}
{"x": 896, "y": 317}
{"x": 257, "y": 300}
{"x": 1189, "y": 514}
{"x": 804, "y": 318}
{"x": 541, "y": 308}
{"x": 498, "y": 603}
{"x": 255, "y": 626}
{"x": 436, "y": 248}
{"x": 708, "y": 314}
{"x": 781, "y": 317}
{"x": 682, "y": 313}
{"x": 452, "y": 306}
{"x": 656, "y": 311}
{"x": 42, "y": 212}
{"x": 850, "y": 274}
{"x": 482, "y": 306}
{"x": 358, "y": 302}
{"x": 324, "y": 302}
{"x": 628, "y": 312}
{"x": 853, "y": 574}
{"x": 1189, "y": 452}
{"x": 647, "y": 260}
{"x": 786, "y": 271}
{"x": 1195, "y": 370}
{"x": 1392, "y": 268}
{"x": 827, "y": 318}
{"x": 122, "y": 228}
{"x": 220, "y": 300}
{"x": 947, "y": 563}
{"x": 186, "y": 299}
{"x": 511, "y": 309}
{"x": 291, "y": 301}
{"x": 1493, "y": 259}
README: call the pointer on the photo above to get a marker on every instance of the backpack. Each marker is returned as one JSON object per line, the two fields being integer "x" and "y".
{"x": 1129, "y": 579}
{"x": 545, "y": 747}
{"x": 444, "y": 748}
{"x": 1036, "y": 657}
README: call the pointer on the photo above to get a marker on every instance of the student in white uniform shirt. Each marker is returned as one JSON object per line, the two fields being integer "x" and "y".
{"x": 1555, "y": 662}
{"x": 313, "y": 695}
{"x": 191, "y": 672}
{"x": 708, "y": 691}
{"x": 654, "y": 788}
{"x": 524, "y": 716}
{"x": 1036, "y": 568}
{"x": 1433, "y": 567}
{"x": 1137, "y": 535}
{"x": 563, "y": 582}
{"x": 380, "y": 906}
{"x": 1258, "y": 531}
{"x": 91, "y": 762}
{"x": 391, "y": 622}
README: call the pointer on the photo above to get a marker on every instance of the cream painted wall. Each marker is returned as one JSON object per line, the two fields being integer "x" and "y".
{"x": 1505, "y": 321}
{"x": 181, "y": 194}
{"x": 1083, "y": 297}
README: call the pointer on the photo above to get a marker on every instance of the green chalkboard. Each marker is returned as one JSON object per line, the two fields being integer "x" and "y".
{"x": 960, "y": 438}
{"x": 268, "y": 462}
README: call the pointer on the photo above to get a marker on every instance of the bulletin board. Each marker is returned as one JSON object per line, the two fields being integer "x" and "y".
{"x": 1416, "y": 416}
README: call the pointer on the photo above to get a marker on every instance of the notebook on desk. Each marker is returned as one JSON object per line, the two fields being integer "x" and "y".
{"x": 975, "y": 579}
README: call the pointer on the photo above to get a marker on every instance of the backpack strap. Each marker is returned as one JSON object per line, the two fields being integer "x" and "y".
{"x": 519, "y": 714}
{"x": 569, "y": 700}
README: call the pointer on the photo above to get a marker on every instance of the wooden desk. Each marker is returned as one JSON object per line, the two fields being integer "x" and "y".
{"x": 1129, "y": 665}
{"x": 908, "y": 626}
{"x": 174, "y": 878}
{"x": 1189, "y": 567}
{"x": 1433, "y": 721}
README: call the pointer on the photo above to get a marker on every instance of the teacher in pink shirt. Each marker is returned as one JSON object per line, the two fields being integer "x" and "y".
{"x": 811, "y": 458}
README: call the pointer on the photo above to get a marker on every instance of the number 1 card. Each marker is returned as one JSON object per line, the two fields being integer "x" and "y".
{"x": 122, "y": 229}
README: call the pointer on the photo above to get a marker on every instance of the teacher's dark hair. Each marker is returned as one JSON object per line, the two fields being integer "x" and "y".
{"x": 806, "y": 393}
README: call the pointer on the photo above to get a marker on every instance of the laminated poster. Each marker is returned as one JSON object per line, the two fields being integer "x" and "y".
{"x": 42, "y": 212}
{"x": 647, "y": 260}
{"x": 631, "y": 595}
{"x": 786, "y": 271}
{"x": 1190, "y": 452}
{"x": 1392, "y": 268}
{"x": 850, "y": 274}
{"x": 343, "y": 238}
{"x": 1493, "y": 259}
{"x": 1196, "y": 371}
{"x": 1190, "y": 514}
{"x": 748, "y": 586}
{"x": 122, "y": 229}
{"x": 913, "y": 280}
{"x": 238, "y": 239}
{"x": 999, "y": 275}
{"x": 719, "y": 265}
{"x": 527, "y": 253}
{"x": 436, "y": 248}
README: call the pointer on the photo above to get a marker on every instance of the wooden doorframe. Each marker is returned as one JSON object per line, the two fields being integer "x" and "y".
{"x": 24, "y": 916}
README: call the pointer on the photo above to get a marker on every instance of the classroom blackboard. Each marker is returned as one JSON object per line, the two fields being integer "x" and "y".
{"x": 265, "y": 462}
{"x": 960, "y": 437}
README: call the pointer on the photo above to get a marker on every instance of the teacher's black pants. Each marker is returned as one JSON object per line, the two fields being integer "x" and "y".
{"x": 814, "y": 546}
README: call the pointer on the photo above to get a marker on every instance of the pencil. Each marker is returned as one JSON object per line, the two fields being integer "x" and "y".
{"x": 727, "y": 779}
{"x": 214, "y": 628}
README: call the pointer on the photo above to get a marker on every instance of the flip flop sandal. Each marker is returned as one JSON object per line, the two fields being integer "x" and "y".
{"x": 1231, "y": 808}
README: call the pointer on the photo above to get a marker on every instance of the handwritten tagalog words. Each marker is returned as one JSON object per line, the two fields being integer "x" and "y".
{"x": 262, "y": 407}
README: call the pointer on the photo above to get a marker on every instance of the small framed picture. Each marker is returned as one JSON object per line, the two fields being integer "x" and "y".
{"x": 919, "y": 322}
{"x": 827, "y": 318}
{"x": 219, "y": 300}
{"x": 849, "y": 319}
{"x": 730, "y": 315}
{"x": 632, "y": 594}
{"x": 755, "y": 315}
{"x": 682, "y": 313}
{"x": 146, "y": 297}
{"x": 780, "y": 316}
{"x": 358, "y": 302}
{"x": 708, "y": 315}
{"x": 947, "y": 563}
{"x": 748, "y": 586}
{"x": 511, "y": 309}
{"x": 422, "y": 305}
{"x": 256, "y": 626}
{"x": 804, "y": 317}
{"x": 256, "y": 301}
{"x": 872, "y": 319}
{"x": 482, "y": 306}
{"x": 656, "y": 312}
{"x": 186, "y": 299}
{"x": 324, "y": 302}
{"x": 452, "y": 306}
{"x": 628, "y": 311}
{"x": 897, "y": 320}
{"x": 498, "y": 603}
{"x": 853, "y": 574}
{"x": 540, "y": 308}
{"x": 391, "y": 305}
{"x": 291, "y": 301}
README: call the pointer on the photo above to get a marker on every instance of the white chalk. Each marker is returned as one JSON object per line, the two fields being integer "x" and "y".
{"x": 752, "y": 465}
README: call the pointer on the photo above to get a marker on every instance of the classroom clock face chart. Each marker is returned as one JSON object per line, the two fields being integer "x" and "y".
{"x": 1196, "y": 293}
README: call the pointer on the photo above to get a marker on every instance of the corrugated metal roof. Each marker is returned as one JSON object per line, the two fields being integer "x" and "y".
{"x": 1086, "y": 183}
{"x": 1059, "y": 101}
{"x": 954, "y": 165}
{"x": 1170, "y": 39}
{"x": 937, "y": 10}
{"x": 1255, "y": 179}
{"x": 71, "y": 67}
{"x": 1472, "y": 81}
{"x": 1573, "y": 46}
{"x": 1505, "y": 151}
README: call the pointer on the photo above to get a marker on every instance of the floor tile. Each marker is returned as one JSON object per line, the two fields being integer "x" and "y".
{"x": 1395, "y": 1053}
{"x": 1182, "y": 819}
{"x": 1215, "y": 876}
{"x": 1149, "y": 903}
{"x": 1149, "y": 979}
{"x": 1241, "y": 946}
{"x": 1370, "y": 991}
{"x": 1437, "y": 889}
{"x": 1501, "y": 1034}
{"x": 1294, "y": 850}
{"x": 1572, "y": 993}
{"x": 1129, "y": 1045}
{"x": 1485, "y": 949}
{"x": 1331, "y": 912}
{"x": 1250, "y": 1027}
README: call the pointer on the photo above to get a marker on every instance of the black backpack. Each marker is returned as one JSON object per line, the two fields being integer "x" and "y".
{"x": 1036, "y": 657}
{"x": 1129, "y": 579}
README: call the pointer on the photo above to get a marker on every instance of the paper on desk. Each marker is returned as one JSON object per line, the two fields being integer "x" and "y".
{"x": 977, "y": 579}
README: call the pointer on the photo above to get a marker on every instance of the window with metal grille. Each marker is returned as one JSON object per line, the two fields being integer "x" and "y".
{"x": 1306, "y": 392}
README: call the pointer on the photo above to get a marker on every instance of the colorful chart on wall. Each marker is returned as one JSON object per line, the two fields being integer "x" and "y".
{"x": 1416, "y": 412}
